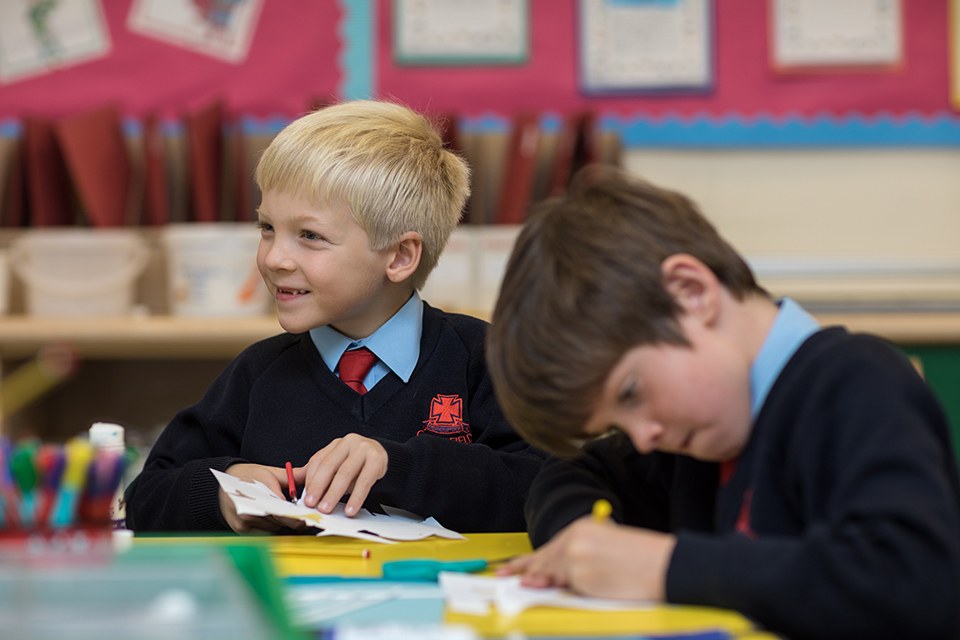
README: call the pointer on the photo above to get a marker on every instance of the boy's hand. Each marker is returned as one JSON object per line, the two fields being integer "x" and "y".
{"x": 273, "y": 477}
{"x": 351, "y": 464}
{"x": 600, "y": 559}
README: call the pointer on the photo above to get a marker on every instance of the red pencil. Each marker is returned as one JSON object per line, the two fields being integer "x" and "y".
{"x": 291, "y": 485}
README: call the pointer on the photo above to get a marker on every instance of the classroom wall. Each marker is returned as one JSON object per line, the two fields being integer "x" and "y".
{"x": 840, "y": 187}
{"x": 837, "y": 228}
{"x": 847, "y": 172}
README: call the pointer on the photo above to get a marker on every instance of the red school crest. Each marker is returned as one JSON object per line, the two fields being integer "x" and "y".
{"x": 446, "y": 419}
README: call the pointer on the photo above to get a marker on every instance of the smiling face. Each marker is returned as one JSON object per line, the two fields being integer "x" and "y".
{"x": 692, "y": 400}
{"x": 317, "y": 263}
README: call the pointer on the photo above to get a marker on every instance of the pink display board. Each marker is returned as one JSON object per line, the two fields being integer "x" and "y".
{"x": 295, "y": 59}
{"x": 292, "y": 62}
{"x": 744, "y": 81}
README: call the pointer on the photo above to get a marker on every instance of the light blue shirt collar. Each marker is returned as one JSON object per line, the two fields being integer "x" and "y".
{"x": 792, "y": 326}
{"x": 396, "y": 343}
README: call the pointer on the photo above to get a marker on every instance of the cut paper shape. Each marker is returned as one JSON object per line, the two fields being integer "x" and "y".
{"x": 476, "y": 595}
{"x": 48, "y": 187}
{"x": 256, "y": 499}
{"x": 98, "y": 161}
{"x": 204, "y": 129}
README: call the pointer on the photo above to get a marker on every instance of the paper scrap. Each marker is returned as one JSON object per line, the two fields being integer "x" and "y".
{"x": 476, "y": 595}
{"x": 256, "y": 499}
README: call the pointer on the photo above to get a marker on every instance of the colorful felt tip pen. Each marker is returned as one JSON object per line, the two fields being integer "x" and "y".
{"x": 602, "y": 510}
{"x": 50, "y": 466}
{"x": 23, "y": 466}
{"x": 8, "y": 491}
{"x": 79, "y": 454}
{"x": 291, "y": 484}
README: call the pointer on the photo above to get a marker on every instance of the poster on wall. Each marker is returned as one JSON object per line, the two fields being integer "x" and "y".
{"x": 39, "y": 36}
{"x": 645, "y": 45}
{"x": 460, "y": 31}
{"x": 218, "y": 28}
{"x": 830, "y": 34}
{"x": 955, "y": 53}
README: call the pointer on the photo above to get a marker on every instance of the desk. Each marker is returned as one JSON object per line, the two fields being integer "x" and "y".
{"x": 298, "y": 558}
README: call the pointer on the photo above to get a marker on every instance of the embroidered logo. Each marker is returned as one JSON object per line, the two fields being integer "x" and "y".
{"x": 446, "y": 419}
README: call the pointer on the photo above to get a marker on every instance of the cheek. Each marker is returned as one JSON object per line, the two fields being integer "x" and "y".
{"x": 716, "y": 390}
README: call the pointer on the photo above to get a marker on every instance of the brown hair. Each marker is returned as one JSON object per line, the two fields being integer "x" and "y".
{"x": 583, "y": 286}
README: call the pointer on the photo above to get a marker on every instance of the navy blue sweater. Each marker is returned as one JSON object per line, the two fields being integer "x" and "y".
{"x": 841, "y": 520}
{"x": 452, "y": 454}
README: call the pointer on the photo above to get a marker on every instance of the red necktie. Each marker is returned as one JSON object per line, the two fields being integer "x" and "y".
{"x": 354, "y": 367}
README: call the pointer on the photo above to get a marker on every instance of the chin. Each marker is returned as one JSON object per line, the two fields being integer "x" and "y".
{"x": 291, "y": 325}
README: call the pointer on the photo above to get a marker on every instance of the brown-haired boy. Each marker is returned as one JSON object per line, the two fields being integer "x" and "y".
{"x": 801, "y": 475}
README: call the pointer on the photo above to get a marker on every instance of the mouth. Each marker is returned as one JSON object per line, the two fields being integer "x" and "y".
{"x": 685, "y": 443}
{"x": 286, "y": 294}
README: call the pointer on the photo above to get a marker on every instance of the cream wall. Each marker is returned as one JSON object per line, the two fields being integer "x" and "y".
{"x": 836, "y": 228}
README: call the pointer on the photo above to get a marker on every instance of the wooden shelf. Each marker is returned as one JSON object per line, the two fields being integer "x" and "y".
{"x": 152, "y": 337}
{"x": 165, "y": 337}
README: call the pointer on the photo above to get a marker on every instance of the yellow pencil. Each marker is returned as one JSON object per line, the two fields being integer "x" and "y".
{"x": 52, "y": 365}
{"x": 321, "y": 552}
{"x": 602, "y": 510}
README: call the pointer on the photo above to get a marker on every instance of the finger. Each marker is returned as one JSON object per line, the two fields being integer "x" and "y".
{"x": 272, "y": 483}
{"x": 537, "y": 581}
{"x": 341, "y": 484}
{"x": 545, "y": 567}
{"x": 361, "y": 489}
{"x": 321, "y": 475}
{"x": 514, "y": 566}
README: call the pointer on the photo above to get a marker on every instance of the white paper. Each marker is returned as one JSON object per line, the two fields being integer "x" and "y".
{"x": 256, "y": 499}
{"x": 450, "y": 30}
{"x": 646, "y": 45}
{"x": 828, "y": 32}
{"x": 220, "y": 30}
{"x": 476, "y": 595}
{"x": 39, "y": 37}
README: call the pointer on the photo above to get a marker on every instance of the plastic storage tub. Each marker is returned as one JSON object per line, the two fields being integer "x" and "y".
{"x": 79, "y": 271}
{"x": 212, "y": 269}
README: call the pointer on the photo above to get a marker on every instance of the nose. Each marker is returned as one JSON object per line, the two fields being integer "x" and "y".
{"x": 645, "y": 435}
{"x": 273, "y": 256}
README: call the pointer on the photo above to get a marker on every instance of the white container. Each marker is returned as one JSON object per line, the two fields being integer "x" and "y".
{"x": 79, "y": 272}
{"x": 212, "y": 269}
{"x": 107, "y": 436}
{"x": 452, "y": 284}
{"x": 494, "y": 246}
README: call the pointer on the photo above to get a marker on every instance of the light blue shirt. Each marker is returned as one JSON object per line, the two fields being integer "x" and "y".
{"x": 791, "y": 328}
{"x": 396, "y": 343}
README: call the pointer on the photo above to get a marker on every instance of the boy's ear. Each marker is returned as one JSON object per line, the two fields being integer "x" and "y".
{"x": 693, "y": 286}
{"x": 405, "y": 257}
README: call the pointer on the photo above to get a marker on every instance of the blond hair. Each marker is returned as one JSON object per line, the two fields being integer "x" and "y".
{"x": 382, "y": 160}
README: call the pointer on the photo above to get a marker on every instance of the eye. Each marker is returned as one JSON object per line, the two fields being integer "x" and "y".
{"x": 629, "y": 394}
{"x": 265, "y": 227}
{"x": 306, "y": 234}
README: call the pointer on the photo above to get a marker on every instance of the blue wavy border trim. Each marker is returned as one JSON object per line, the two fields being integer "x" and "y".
{"x": 357, "y": 44}
{"x": 883, "y": 130}
{"x": 734, "y": 131}
{"x": 726, "y": 132}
